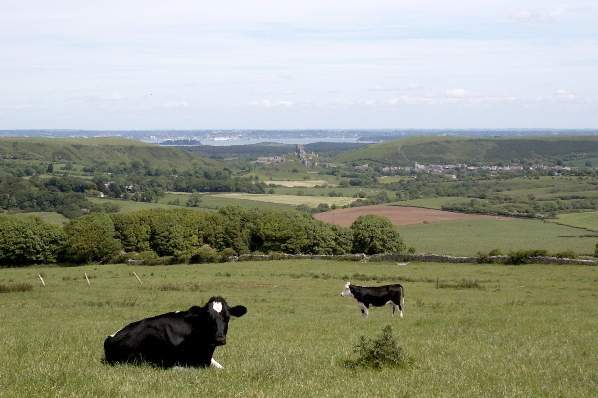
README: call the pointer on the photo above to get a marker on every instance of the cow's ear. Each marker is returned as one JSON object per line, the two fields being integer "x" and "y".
{"x": 238, "y": 310}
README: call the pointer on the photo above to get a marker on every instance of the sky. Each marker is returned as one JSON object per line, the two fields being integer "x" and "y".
{"x": 257, "y": 64}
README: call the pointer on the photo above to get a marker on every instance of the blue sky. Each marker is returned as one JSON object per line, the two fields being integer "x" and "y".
{"x": 311, "y": 64}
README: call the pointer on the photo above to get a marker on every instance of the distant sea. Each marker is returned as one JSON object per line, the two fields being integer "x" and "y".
{"x": 246, "y": 137}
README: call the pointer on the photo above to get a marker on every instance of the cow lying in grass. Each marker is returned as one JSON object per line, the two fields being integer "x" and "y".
{"x": 377, "y": 296}
{"x": 182, "y": 338}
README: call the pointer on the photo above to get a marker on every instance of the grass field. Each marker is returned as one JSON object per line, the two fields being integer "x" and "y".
{"x": 506, "y": 338}
{"x": 431, "y": 203}
{"x": 393, "y": 179}
{"x": 126, "y": 206}
{"x": 343, "y": 191}
{"x": 587, "y": 220}
{"x": 467, "y": 237}
{"x": 48, "y": 216}
{"x": 298, "y": 183}
{"x": 294, "y": 200}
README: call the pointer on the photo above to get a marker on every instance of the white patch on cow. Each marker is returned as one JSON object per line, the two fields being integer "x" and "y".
{"x": 176, "y": 312}
{"x": 217, "y": 306}
{"x": 114, "y": 334}
{"x": 346, "y": 291}
{"x": 215, "y": 364}
{"x": 401, "y": 314}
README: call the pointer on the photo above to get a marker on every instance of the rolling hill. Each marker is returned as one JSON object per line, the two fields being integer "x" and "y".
{"x": 96, "y": 151}
{"x": 476, "y": 150}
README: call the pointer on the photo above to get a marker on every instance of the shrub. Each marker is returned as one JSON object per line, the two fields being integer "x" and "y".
{"x": 204, "y": 254}
{"x": 523, "y": 256}
{"x": 227, "y": 252}
{"x": 379, "y": 352}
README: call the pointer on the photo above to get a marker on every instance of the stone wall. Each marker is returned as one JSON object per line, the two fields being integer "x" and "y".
{"x": 426, "y": 258}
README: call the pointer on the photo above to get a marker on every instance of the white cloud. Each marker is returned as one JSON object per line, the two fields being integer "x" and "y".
{"x": 176, "y": 104}
{"x": 457, "y": 93}
{"x": 267, "y": 103}
{"x": 564, "y": 95}
{"x": 538, "y": 15}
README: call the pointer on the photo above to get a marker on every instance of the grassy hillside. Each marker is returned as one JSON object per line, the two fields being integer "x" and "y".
{"x": 95, "y": 151}
{"x": 465, "y": 150}
{"x": 525, "y": 331}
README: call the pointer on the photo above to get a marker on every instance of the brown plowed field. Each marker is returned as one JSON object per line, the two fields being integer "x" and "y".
{"x": 399, "y": 215}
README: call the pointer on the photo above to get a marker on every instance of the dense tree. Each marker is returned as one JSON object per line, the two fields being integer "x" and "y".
{"x": 28, "y": 241}
{"x": 91, "y": 238}
{"x": 374, "y": 234}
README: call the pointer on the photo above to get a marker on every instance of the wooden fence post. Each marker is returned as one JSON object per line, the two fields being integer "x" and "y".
{"x": 138, "y": 278}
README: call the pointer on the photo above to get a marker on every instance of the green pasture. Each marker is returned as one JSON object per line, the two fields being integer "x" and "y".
{"x": 393, "y": 179}
{"x": 48, "y": 216}
{"x": 521, "y": 331}
{"x": 587, "y": 220}
{"x": 127, "y": 206}
{"x": 297, "y": 183}
{"x": 208, "y": 202}
{"x": 217, "y": 201}
{"x": 432, "y": 203}
{"x": 468, "y": 237}
{"x": 293, "y": 200}
{"x": 320, "y": 191}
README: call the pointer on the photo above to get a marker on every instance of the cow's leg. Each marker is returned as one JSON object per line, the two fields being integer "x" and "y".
{"x": 400, "y": 305}
{"x": 392, "y": 307}
{"x": 215, "y": 364}
{"x": 363, "y": 308}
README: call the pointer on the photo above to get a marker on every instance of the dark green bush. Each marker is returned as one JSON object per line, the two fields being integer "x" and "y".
{"x": 523, "y": 256}
{"x": 205, "y": 254}
{"x": 379, "y": 352}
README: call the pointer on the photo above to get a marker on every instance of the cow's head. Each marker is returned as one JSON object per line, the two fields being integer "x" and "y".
{"x": 347, "y": 290}
{"x": 217, "y": 314}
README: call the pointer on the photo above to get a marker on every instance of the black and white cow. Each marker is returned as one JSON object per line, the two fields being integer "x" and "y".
{"x": 182, "y": 338}
{"x": 377, "y": 296}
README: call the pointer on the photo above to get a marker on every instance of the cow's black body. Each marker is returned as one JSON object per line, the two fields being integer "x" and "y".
{"x": 185, "y": 338}
{"x": 376, "y": 296}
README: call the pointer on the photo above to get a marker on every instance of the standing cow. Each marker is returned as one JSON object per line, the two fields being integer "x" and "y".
{"x": 377, "y": 296}
{"x": 182, "y": 338}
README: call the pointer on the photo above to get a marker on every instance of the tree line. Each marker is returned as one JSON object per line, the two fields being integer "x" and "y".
{"x": 188, "y": 236}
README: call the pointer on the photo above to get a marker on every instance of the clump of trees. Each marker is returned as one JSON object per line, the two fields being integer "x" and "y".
{"x": 29, "y": 240}
{"x": 91, "y": 238}
{"x": 375, "y": 234}
{"x": 186, "y": 235}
